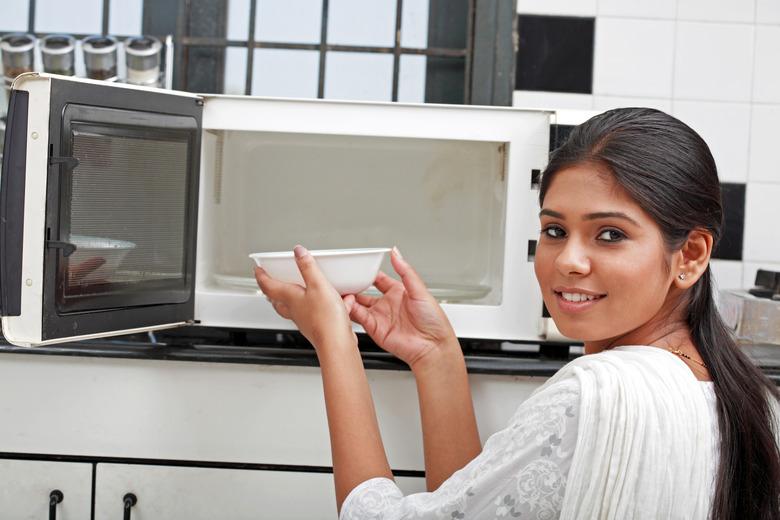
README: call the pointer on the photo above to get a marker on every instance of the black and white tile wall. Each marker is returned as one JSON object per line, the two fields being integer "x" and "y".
{"x": 711, "y": 63}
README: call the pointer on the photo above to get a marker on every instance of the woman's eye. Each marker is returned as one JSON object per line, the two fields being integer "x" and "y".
{"x": 554, "y": 232}
{"x": 611, "y": 235}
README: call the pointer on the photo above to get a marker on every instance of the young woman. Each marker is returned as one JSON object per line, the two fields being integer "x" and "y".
{"x": 664, "y": 417}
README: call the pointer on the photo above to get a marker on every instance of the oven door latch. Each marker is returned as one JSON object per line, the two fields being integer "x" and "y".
{"x": 67, "y": 247}
{"x": 69, "y": 163}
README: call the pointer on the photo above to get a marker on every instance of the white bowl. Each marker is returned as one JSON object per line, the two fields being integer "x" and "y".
{"x": 110, "y": 252}
{"x": 351, "y": 271}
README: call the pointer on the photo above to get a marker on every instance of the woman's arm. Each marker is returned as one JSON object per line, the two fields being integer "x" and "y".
{"x": 408, "y": 322}
{"x": 356, "y": 445}
{"x": 450, "y": 435}
{"x": 322, "y": 317}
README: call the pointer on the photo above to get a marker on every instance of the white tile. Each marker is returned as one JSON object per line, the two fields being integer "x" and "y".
{"x": 73, "y": 16}
{"x": 767, "y": 11}
{"x": 610, "y": 102}
{"x": 633, "y": 57}
{"x": 727, "y": 274}
{"x": 557, "y": 7}
{"x": 553, "y": 100}
{"x": 726, "y": 129}
{"x": 14, "y": 18}
{"x": 762, "y": 215}
{"x": 765, "y": 122}
{"x": 766, "y": 80}
{"x": 639, "y": 8}
{"x": 716, "y": 10}
{"x": 713, "y": 61}
{"x": 124, "y": 17}
{"x": 750, "y": 269}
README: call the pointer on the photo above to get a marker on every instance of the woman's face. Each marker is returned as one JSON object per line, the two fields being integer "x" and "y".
{"x": 600, "y": 260}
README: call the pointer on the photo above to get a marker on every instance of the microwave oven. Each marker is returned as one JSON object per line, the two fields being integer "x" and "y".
{"x": 126, "y": 209}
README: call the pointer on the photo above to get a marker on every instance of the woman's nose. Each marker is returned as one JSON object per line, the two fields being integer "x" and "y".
{"x": 573, "y": 259}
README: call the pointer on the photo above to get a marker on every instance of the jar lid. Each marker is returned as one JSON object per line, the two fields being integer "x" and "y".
{"x": 17, "y": 42}
{"x": 58, "y": 44}
{"x": 99, "y": 44}
{"x": 142, "y": 46}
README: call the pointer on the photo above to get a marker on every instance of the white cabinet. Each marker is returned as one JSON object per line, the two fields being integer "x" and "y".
{"x": 189, "y": 493}
{"x": 232, "y": 413}
{"x": 165, "y": 412}
{"x": 26, "y": 485}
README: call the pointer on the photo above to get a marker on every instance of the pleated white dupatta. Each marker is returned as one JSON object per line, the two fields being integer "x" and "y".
{"x": 644, "y": 445}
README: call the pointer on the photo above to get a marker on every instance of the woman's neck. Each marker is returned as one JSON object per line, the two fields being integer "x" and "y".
{"x": 669, "y": 334}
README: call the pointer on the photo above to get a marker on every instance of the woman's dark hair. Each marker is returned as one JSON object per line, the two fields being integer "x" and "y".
{"x": 667, "y": 168}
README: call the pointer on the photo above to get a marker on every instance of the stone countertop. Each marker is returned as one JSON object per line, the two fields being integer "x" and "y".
{"x": 499, "y": 358}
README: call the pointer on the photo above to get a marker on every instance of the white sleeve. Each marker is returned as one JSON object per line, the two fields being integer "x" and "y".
{"x": 521, "y": 472}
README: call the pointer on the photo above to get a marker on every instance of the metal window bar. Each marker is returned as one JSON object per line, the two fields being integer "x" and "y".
{"x": 397, "y": 50}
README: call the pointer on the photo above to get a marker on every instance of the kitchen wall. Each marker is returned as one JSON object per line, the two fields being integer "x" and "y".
{"x": 711, "y": 63}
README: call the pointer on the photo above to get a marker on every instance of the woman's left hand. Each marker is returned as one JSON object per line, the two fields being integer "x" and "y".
{"x": 318, "y": 310}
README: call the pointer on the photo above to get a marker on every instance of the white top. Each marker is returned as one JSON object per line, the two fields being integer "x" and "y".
{"x": 523, "y": 469}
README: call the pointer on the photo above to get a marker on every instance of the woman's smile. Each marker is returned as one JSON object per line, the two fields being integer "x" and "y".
{"x": 573, "y": 300}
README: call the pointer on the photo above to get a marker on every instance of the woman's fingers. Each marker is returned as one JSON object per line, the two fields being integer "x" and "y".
{"x": 282, "y": 310}
{"x": 362, "y": 316}
{"x": 366, "y": 300}
{"x": 308, "y": 267}
{"x": 413, "y": 284}
{"x": 274, "y": 289}
{"x": 349, "y": 301}
{"x": 384, "y": 283}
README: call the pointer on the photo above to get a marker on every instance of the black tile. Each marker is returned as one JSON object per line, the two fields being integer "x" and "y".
{"x": 730, "y": 245}
{"x": 555, "y": 53}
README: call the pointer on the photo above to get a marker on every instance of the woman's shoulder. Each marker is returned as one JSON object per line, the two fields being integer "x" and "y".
{"x": 628, "y": 372}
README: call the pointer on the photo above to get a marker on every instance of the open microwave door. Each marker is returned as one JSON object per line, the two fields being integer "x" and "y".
{"x": 98, "y": 210}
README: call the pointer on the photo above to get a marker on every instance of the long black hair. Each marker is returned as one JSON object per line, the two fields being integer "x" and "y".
{"x": 667, "y": 168}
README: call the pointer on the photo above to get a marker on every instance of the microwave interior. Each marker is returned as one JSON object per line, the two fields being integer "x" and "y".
{"x": 440, "y": 201}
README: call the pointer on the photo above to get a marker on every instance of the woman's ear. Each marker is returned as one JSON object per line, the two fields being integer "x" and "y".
{"x": 693, "y": 258}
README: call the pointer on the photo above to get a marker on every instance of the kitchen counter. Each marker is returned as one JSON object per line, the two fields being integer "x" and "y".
{"x": 291, "y": 350}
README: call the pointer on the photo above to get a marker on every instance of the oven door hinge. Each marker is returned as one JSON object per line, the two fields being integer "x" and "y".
{"x": 69, "y": 163}
{"x": 67, "y": 247}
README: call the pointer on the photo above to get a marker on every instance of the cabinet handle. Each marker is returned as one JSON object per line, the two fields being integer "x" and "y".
{"x": 55, "y": 497}
{"x": 130, "y": 500}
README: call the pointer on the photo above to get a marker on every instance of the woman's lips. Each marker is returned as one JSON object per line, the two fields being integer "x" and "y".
{"x": 569, "y": 306}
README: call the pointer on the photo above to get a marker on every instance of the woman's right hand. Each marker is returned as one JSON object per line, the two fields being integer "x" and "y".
{"x": 406, "y": 320}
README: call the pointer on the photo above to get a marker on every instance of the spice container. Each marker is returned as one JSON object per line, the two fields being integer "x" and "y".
{"x": 143, "y": 60}
{"x": 18, "y": 51}
{"x": 100, "y": 57}
{"x": 58, "y": 52}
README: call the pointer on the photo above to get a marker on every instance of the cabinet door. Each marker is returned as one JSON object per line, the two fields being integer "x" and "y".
{"x": 26, "y": 487}
{"x": 98, "y": 210}
{"x": 191, "y": 493}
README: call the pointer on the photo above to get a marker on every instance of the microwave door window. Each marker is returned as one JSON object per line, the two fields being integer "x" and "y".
{"x": 123, "y": 219}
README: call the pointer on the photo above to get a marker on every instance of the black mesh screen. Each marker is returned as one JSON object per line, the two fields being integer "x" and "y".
{"x": 126, "y": 214}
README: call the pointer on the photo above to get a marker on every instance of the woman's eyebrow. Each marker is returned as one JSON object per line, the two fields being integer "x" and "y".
{"x": 591, "y": 216}
{"x": 610, "y": 214}
{"x": 551, "y": 213}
